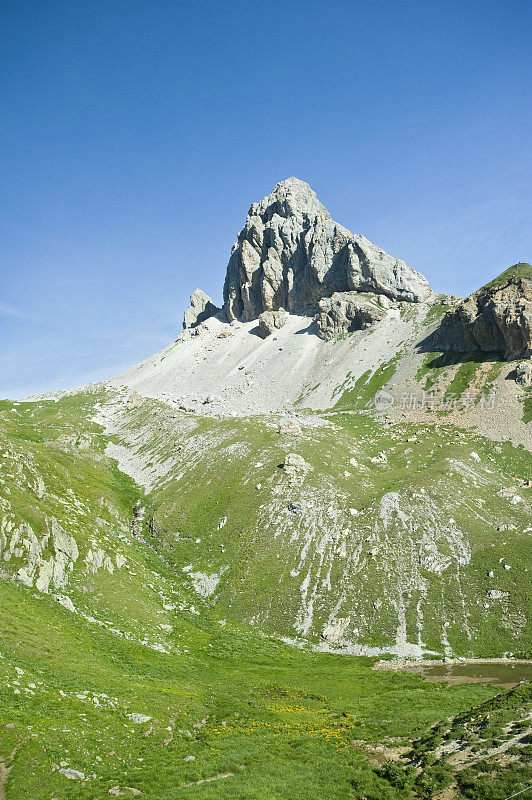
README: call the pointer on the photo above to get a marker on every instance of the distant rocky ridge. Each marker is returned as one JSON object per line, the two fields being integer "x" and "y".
{"x": 291, "y": 255}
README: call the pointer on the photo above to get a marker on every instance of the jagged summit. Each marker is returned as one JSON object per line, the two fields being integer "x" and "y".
{"x": 291, "y": 197}
{"x": 311, "y": 310}
{"x": 201, "y": 308}
{"x": 291, "y": 254}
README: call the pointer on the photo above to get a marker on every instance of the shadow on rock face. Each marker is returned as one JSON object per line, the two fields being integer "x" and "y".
{"x": 311, "y": 328}
{"x": 449, "y": 358}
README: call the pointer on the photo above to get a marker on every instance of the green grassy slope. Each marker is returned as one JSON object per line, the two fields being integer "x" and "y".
{"x": 170, "y": 602}
{"x": 400, "y": 546}
{"x": 406, "y": 538}
{"x": 269, "y": 716}
{"x": 521, "y": 270}
{"x": 484, "y": 752}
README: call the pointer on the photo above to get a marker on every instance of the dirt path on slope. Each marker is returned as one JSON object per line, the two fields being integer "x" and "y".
{"x": 4, "y": 775}
{"x": 6, "y": 766}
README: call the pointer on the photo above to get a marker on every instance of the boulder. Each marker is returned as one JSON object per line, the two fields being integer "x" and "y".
{"x": 295, "y": 461}
{"x": 523, "y": 373}
{"x": 296, "y": 467}
{"x": 334, "y": 631}
{"x": 291, "y": 253}
{"x": 269, "y": 321}
{"x": 139, "y": 719}
{"x": 345, "y": 312}
{"x": 290, "y": 427}
{"x": 134, "y": 400}
{"x": 72, "y": 774}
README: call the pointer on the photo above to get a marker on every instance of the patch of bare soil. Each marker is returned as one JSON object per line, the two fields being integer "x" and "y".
{"x": 219, "y": 777}
{"x": 380, "y": 754}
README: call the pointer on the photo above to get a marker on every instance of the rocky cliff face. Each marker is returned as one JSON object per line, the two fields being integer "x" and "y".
{"x": 291, "y": 254}
{"x": 496, "y": 318}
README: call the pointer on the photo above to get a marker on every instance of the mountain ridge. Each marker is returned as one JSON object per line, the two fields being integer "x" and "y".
{"x": 202, "y": 557}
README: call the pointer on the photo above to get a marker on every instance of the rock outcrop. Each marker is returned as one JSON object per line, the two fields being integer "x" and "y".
{"x": 42, "y": 565}
{"x": 291, "y": 254}
{"x": 269, "y": 321}
{"x": 497, "y": 318}
{"x": 523, "y": 373}
{"x": 290, "y": 427}
{"x": 296, "y": 468}
{"x": 345, "y": 312}
{"x": 201, "y": 308}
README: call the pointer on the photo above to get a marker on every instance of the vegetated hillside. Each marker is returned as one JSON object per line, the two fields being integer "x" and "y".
{"x": 520, "y": 271}
{"x": 192, "y": 553}
{"x": 126, "y": 670}
{"x": 483, "y": 752}
{"x": 336, "y": 530}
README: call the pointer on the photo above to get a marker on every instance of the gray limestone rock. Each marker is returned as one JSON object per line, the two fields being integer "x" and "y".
{"x": 201, "y": 308}
{"x": 496, "y": 318}
{"x": 290, "y": 427}
{"x": 294, "y": 461}
{"x": 296, "y": 468}
{"x": 334, "y": 631}
{"x": 291, "y": 254}
{"x": 72, "y": 774}
{"x": 523, "y": 373}
{"x": 345, "y": 312}
{"x": 269, "y": 321}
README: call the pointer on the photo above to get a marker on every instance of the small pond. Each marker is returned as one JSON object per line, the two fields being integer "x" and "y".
{"x": 500, "y": 674}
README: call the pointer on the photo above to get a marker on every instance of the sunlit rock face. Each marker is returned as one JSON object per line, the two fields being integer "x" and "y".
{"x": 497, "y": 318}
{"x": 291, "y": 254}
{"x": 201, "y": 308}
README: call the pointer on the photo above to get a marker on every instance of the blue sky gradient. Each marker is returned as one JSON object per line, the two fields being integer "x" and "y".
{"x": 135, "y": 135}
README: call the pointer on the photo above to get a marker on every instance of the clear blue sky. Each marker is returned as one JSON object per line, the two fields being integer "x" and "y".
{"x": 135, "y": 135}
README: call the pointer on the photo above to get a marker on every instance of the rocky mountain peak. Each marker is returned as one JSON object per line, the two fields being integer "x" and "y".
{"x": 290, "y": 198}
{"x": 291, "y": 254}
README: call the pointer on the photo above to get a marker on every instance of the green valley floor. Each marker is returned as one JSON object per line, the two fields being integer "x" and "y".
{"x": 87, "y": 714}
